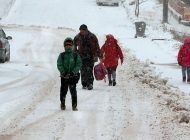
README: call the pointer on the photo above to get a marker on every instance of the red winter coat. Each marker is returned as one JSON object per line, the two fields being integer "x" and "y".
{"x": 111, "y": 52}
{"x": 184, "y": 54}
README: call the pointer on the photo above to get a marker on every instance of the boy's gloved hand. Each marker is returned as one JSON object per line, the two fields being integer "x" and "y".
{"x": 72, "y": 74}
{"x": 65, "y": 75}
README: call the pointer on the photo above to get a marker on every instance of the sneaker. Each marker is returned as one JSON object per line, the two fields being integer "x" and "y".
{"x": 114, "y": 82}
{"x": 75, "y": 109}
{"x": 63, "y": 107}
{"x": 110, "y": 83}
{"x": 90, "y": 87}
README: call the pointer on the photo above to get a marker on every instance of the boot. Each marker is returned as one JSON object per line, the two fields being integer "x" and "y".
{"x": 188, "y": 81}
{"x": 114, "y": 82}
{"x": 110, "y": 82}
{"x": 63, "y": 107}
{"x": 75, "y": 109}
{"x": 184, "y": 79}
{"x": 90, "y": 87}
{"x": 74, "y": 103}
{"x": 84, "y": 85}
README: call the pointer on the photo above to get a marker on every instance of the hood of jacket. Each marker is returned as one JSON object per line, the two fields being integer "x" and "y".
{"x": 187, "y": 41}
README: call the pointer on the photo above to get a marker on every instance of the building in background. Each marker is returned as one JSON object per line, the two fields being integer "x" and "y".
{"x": 180, "y": 10}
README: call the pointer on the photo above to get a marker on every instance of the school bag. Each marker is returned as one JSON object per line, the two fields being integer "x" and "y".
{"x": 100, "y": 71}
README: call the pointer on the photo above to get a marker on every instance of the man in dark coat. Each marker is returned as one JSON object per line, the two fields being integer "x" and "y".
{"x": 86, "y": 44}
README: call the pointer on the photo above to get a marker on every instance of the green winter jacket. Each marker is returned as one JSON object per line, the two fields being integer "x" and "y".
{"x": 68, "y": 65}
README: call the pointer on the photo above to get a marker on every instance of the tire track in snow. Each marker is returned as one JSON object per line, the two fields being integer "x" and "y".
{"x": 134, "y": 101}
{"x": 40, "y": 63}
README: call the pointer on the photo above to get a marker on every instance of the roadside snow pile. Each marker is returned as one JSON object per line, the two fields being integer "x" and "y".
{"x": 178, "y": 102}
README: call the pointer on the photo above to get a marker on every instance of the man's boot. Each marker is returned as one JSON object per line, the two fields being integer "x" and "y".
{"x": 74, "y": 103}
{"x": 63, "y": 107}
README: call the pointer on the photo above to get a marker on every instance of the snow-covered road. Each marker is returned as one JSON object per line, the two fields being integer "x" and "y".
{"x": 31, "y": 70}
{"x": 127, "y": 111}
{"x": 141, "y": 107}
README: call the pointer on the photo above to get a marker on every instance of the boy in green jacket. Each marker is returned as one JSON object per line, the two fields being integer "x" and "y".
{"x": 69, "y": 64}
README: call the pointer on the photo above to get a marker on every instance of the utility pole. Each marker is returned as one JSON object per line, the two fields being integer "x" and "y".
{"x": 165, "y": 11}
{"x": 137, "y": 8}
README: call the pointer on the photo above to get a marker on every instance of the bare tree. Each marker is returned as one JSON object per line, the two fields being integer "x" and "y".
{"x": 137, "y": 8}
{"x": 186, "y": 2}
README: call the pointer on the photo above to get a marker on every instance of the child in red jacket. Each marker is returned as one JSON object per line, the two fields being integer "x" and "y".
{"x": 184, "y": 59}
{"x": 111, "y": 53}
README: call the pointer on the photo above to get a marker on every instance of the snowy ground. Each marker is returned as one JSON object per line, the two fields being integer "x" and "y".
{"x": 149, "y": 102}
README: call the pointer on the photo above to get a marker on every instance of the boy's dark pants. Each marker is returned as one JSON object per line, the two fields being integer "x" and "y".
{"x": 65, "y": 84}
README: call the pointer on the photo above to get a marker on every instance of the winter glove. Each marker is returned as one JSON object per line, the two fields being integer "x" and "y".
{"x": 121, "y": 61}
{"x": 72, "y": 74}
{"x": 95, "y": 59}
{"x": 179, "y": 63}
{"x": 76, "y": 77}
{"x": 101, "y": 60}
{"x": 65, "y": 75}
